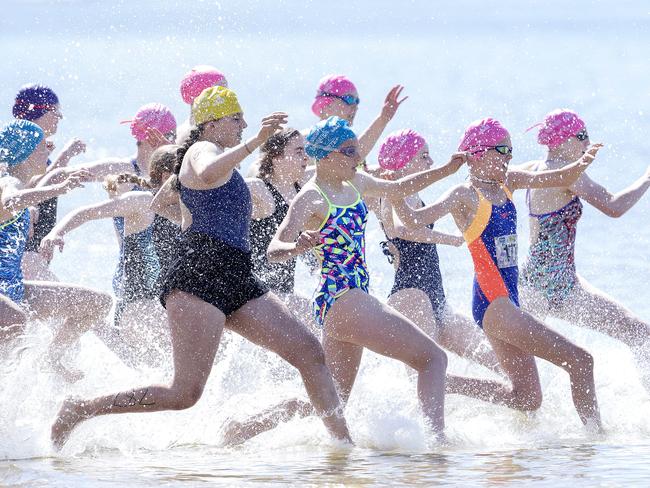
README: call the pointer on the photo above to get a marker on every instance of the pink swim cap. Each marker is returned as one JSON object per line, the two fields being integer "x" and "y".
{"x": 335, "y": 84}
{"x": 558, "y": 126}
{"x": 399, "y": 148}
{"x": 150, "y": 116}
{"x": 200, "y": 78}
{"x": 480, "y": 135}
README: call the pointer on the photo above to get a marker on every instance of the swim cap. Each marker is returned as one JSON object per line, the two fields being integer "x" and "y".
{"x": 482, "y": 133}
{"x": 399, "y": 148}
{"x": 18, "y": 140}
{"x": 151, "y": 116}
{"x": 215, "y": 103}
{"x": 327, "y": 136}
{"x": 334, "y": 84}
{"x": 200, "y": 78}
{"x": 34, "y": 101}
{"x": 558, "y": 126}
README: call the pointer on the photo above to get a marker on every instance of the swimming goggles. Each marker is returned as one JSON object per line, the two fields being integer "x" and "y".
{"x": 582, "y": 135}
{"x": 502, "y": 149}
{"x": 347, "y": 99}
{"x": 350, "y": 151}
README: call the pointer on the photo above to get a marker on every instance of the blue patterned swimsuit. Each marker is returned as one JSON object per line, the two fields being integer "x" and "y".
{"x": 13, "y": 239}
{"x": 341, "y": 254}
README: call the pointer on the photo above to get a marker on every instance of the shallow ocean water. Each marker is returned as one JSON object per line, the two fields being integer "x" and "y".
{"x": 459, "y": 62}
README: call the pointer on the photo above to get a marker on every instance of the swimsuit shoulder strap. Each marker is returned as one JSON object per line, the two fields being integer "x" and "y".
{"x": 481, "y": 218}
{"x": 12, "y": 220}
{"x": 507, "y": 191}
{"x": 329, "y": 202}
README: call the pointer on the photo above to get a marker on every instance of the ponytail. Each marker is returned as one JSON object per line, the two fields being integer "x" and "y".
{"x": 111, "y": 182}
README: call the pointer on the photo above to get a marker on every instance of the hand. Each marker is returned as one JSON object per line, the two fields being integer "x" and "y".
{"x": 155, "y": 138}
{"x": 457, "y": 160}
{"x": 73, "y": 148}
{"x": 48, "y": 243}
{"x": 392, "y": 102}
{"x": 307, "y": 240}
{"x": 589, "y": 156}
{"x": 271, "y": 124}
{"x": 75, "y": 179}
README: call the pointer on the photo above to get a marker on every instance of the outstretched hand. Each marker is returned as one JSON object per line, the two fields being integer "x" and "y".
{"x": 155, "y": 138}
{"x": 392, "y": 102}
{"x": 76, "y": 179}
{"x": 48, "y": 244}
{"x": 457, "y": 160}
{"x": 589, "y": 155}
{"x": 73, "y": 148}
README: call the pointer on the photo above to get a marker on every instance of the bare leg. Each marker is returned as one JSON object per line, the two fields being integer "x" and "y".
{"x": 79, "y": 307}
{"x": 36, "y": 268}
{"x": 343, "y": 359}
{"x": 362, "y": 320}
{"x": 508, "y": 324}
{"x": 267, "y": 322}
{"x": 12, "y": 319}
{"x": 196, "y": 328}
{"x": 455, "y": 332}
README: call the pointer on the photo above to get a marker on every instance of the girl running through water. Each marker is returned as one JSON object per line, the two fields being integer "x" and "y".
{"x": 549, "y": 281}
{"x": 22, "y": 150}
{"x": 141, "y": 325}
{"x": 417, "y": 291}
{"x": 211, "y": 284}
{"x": 484, "y": 212}
{"x": 40, "y": 105}
{"x": 329, "y": 215}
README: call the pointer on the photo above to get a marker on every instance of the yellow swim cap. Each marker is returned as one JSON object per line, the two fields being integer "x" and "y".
{"x": 214, "y": 103}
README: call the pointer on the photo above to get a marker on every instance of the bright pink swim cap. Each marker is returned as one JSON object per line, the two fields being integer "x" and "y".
{"x": 558, "y": 126}
{"x": 399, "y": 148}
{"x": 334, "y": 84}
{"x": 150, "y": 116}
{"x": 200, "y": 78}
{"x": 480, "y": 135}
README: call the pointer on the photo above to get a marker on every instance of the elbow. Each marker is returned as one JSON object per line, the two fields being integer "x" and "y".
{"x": 614, "y": 213}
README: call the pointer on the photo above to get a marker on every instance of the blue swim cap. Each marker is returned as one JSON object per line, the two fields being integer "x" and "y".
{"x": 327, "y": 136}
{"x": 34, "y": 101}
{"x": 18, "y": 140}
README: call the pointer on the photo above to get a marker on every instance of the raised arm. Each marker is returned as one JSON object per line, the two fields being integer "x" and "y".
{"x": 566, "y": 176}
{"x": 291, "y": 239}
{"x": 612, "y": 205}
{"x": 73, "y": 148}
{"x": 166, "y": 202}
{"x": 371, "y": 135}
{"x": 102, "y": 168}
{"x": 15, "y": 199}
{"x": 398, "y": 189}
{"x": 213, "y": 167}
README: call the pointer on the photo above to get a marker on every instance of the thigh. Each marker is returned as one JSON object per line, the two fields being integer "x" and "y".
{"x": 361, "y": 319}
{"x": 10, "y": 313}
{"x": 195, "y": 328}
{"x": 36, "y": 267}
{"x": 589, "y": 307}
{"x": 267, "y": 322}
{"x": 415, "y": 305}
{"x": 509, "y": 324}
{"x": 53, "y": 300}
{"x": 518, "y": 365}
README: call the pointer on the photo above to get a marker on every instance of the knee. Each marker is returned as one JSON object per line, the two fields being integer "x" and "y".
{"x": 582, "y": 362}
{"x": 433, "y": 358}
{"x": 306, "y": 354}
{"x": 185, "y": 396}
{"x": 528, "y": 400}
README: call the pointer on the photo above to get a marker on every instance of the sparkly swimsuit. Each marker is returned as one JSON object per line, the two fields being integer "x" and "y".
{"x": 341, "y": 254}
{"x": 550, "y": 267}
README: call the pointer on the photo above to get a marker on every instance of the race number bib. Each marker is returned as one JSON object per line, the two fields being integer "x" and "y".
{"x": 506, "y": 250}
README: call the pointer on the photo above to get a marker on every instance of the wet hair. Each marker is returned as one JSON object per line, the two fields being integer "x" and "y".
{"x": 274, "y": 148}
{"x": 112, "y": 182}
{"x": 163, "y": 160}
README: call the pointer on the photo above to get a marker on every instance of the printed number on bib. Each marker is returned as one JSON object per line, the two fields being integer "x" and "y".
{"x": 506, "y": 250}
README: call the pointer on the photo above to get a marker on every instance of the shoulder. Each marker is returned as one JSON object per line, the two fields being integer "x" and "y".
{"x": 9, "y": 182}
{"x": 203, "y": 148}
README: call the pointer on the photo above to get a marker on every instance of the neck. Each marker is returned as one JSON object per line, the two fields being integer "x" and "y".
{"x": 324, "y": 178}
{"x": 282, "y": 184}
{"x": 21, "y": 172}
{"x": 484, "y": 182}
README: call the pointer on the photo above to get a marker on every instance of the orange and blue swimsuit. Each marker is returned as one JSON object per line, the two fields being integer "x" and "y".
{"x": 492, "y": 241}
{"x": 341, "y": 254}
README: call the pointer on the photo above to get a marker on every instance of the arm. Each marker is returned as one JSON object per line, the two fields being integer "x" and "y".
{"x": 408, "y": 185}
{"x": 611, "y": 205}
{"x": 166, "y": 203}
{"x": 213, "y": 167}
{"x": 371, "y": 135}
{"x": 102, "y": 168}
{"x": 73, "y": 148}
{"x": 553, "y": 178}
{"x": 413, "y": 219}
{"x": 15, "y": 200}
{"x": 290, "y": 240}
{"x": 425, "y": 234}
{"x": 263, "y": 203}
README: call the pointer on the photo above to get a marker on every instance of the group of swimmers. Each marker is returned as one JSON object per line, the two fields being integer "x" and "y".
{"x": 217, "y": 250}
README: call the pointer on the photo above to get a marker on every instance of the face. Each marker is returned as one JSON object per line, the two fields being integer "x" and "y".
{"x": 339, "y": 108}
{"x": 228, "y": 130}
{"x": 291, "y": 165}
{"x": 341, "y": 165}
{"x": 49, "y": 121}
{"x": 575, "y": 146}
{"x": 420, "y": 162}
{"x": 36, "y": 163}
{"x": 492, "y": 165}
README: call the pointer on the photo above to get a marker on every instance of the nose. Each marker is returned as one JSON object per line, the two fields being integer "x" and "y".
{"x": 243, "y": 124}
